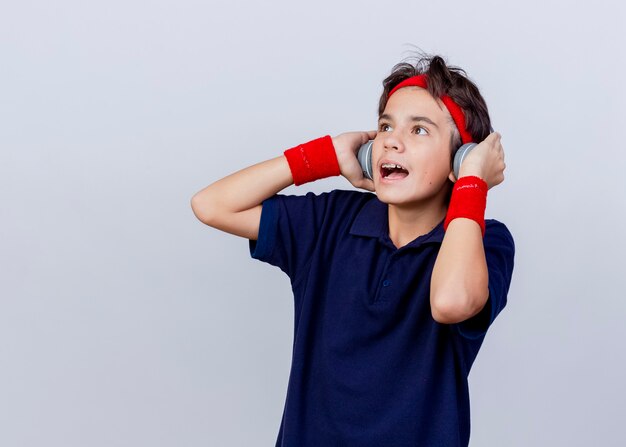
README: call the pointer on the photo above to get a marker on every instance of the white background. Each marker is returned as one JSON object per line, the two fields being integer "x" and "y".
{"x": 124, "y": 321}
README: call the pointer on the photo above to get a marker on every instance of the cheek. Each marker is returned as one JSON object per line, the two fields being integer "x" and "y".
{"x": 444, "y": 162}
{"x": 376, "y": 154}
{"x": 437, "y": 162}
{"x": 435, "y": 171}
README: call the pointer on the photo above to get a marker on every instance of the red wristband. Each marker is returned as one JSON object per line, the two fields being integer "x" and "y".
{"x": 469, "y": 200}
{"x": 313, "y": 160}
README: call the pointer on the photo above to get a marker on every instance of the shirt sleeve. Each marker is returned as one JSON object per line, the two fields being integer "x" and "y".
{"x": 289, "y": 230}
{"x": 499, "y": 253}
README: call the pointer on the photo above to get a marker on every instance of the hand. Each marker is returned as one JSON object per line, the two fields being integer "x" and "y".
{"x": 486, "y": 161}
{"x": 346, "y": 146}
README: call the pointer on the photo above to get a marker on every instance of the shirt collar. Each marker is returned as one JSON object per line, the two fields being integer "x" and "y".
{"x": 372, "y": 221}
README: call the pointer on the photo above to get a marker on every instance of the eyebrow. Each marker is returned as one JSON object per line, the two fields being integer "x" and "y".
{"x": 411, "y": 118}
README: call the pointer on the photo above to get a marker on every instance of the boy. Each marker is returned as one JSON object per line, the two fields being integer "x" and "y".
{"x": 393, "y": 291}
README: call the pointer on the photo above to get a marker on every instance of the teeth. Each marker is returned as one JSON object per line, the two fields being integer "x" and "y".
{"x": 391, "y": 166}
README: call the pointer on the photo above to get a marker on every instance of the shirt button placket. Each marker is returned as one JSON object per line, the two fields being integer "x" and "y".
{"x": 386, "y": 284}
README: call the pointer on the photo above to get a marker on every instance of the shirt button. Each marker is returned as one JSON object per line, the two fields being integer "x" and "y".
{"x": 386, "y": 283}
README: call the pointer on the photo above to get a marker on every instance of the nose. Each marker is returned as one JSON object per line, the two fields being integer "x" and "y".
{"x": 391, "y": 141}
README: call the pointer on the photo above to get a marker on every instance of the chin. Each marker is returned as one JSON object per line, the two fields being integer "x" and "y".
{"x": 408, "y": 195}
{"x": 396, "y": 197}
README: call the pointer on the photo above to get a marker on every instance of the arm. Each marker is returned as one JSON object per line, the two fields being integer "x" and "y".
{"x": 459, "y": 283}
{"x": 233, "y": 204}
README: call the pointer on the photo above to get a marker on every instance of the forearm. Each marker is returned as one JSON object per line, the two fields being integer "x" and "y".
{"x": 459, "y": 282}
{"x": 233, "y": 204}
{"x": 459, "y": 286}
{"x": 243, "y": 189}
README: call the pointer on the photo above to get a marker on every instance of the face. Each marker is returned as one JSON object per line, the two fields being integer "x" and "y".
{"x": 421, "y": 146}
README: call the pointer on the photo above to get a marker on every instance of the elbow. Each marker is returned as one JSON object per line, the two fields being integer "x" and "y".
{"x": 202, "y": 209}
{"x": 454, "y": 308}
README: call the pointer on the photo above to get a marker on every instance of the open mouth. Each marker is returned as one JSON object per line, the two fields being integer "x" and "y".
{"x": 393, "y": 171}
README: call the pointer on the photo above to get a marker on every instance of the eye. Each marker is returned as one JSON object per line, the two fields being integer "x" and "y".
{"x": 381, "y": 127}
{"x": 420, "y": 127}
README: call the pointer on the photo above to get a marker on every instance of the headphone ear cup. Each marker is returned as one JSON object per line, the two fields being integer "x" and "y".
{"x": 364, "y": 155}
{"x": 460, "y": 155}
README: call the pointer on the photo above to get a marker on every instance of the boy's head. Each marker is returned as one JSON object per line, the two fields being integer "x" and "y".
{"x": 444, "y": 80}
{"x": 424, "y": 147}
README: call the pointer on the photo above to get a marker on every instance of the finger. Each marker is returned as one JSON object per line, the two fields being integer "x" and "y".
{"x": 371, "y": 134}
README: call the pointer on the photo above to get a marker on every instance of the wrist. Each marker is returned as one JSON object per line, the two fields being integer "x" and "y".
{"x": 468, "y": 170}
{"x": 468, "y": 200}
{"x": 313, "y": 160}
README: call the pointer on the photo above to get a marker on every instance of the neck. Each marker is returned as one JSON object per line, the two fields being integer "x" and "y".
{"x": 406, "y": 223}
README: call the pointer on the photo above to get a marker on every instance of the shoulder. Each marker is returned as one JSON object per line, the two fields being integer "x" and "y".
{"x": 497, "y": 231}
{"x": 343, "y": 195}
{"x": 499, "y": 245}
{"x": 335, "y": 200}
{"x": 347, "y": 198}
{"x": 335, "y": 211}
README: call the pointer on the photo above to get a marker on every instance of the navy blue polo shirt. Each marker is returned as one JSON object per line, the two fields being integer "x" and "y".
{"x": 370, "y": 365}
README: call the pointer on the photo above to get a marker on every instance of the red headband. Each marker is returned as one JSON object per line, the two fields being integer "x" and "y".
{"x": 453, "y": 108}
